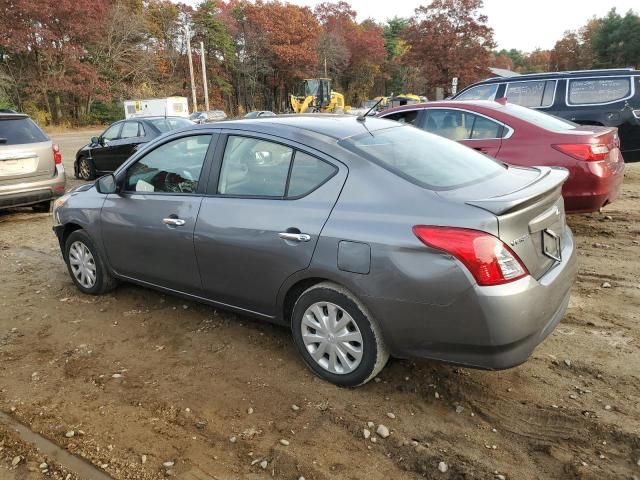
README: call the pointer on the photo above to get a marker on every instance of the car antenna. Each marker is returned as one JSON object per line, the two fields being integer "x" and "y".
{"x": 362, "y": 118}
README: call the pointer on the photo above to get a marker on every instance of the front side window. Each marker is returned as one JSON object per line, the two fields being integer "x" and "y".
{"x": 254, "y": 167}
{"x": 531, "y": 94}
{"x": 111, "y": 133}
{"x": 481, "y": 92}
{"x": 408, "y": 116}
{"x": 307, "y": 174}
{"x": 173, "y": 167}
{"x": 129, "y": 130}
{"x": 426, "y": 160}
{"x": 598, "y": 90}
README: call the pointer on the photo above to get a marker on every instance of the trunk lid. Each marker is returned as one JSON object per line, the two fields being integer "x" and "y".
{"x": 528, "y": 205}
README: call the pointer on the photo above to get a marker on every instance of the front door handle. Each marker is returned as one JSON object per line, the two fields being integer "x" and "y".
{"x": 295, "y": 237}
{"x": 174, "y": 222}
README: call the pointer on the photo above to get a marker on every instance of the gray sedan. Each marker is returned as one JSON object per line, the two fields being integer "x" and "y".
{"x": 367, "y": 238}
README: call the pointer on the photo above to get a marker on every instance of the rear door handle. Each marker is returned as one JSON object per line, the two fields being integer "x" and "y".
{"x": 174, "y": 222}
{"x": 295, "y": 237}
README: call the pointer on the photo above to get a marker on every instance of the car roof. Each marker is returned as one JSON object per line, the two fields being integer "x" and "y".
{"x": 7, "y": 114}
{"x": 329, "y": 125}
{"x": 613, "y": 72}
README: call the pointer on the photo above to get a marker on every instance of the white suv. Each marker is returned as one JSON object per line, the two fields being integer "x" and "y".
{"x": 31, "y": 171}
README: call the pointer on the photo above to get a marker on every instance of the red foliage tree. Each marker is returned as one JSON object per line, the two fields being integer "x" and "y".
{"x": 450, "y": 38}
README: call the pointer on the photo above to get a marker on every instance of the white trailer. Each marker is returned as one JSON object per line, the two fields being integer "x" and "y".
{"x": 163, "y": 107}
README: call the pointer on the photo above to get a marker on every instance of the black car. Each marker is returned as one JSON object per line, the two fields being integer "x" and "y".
{"x": 108, "y": 151}
{"x": 589, "y": 97}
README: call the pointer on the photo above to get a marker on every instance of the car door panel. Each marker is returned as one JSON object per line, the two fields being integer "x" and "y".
{"x": 242, "y": 255}
{"x": 148, "y": 235}
{"x": 102, "y": 152}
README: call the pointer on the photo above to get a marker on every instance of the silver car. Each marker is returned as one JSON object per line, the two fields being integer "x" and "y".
{"x": 31, "y": 171}
{"x": 367, "y": 238}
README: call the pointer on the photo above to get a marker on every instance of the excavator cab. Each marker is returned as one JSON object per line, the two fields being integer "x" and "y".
{"x": 319, "y": 89}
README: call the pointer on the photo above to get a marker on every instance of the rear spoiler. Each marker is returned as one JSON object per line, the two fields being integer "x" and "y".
{"x": 549, "y": 180}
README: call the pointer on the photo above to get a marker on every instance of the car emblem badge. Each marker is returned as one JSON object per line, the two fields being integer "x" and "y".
{"x": 551, "y": 246}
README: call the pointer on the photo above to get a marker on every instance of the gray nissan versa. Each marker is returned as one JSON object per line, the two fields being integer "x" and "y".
{"x": 366, "y": 237}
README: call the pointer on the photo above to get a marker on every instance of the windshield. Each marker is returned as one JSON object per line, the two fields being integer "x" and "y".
{"x": 422, "y": 158}
{"x": 539, "y": 119}
{"x": 166, "y": 124}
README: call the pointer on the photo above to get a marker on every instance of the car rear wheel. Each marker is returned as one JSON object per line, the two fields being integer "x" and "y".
{"x": 336, "y": 336}
{"x": 86, "y": 170}
{"x": 86, "y": 267}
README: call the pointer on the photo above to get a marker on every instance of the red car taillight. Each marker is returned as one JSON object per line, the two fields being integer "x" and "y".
{"x": 57, "y": 156}
{"x": 585, "y": 151}
{"x": 489, "y": 260}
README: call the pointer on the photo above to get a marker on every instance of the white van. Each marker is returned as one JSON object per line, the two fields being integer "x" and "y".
{"x": 162, "y": 107}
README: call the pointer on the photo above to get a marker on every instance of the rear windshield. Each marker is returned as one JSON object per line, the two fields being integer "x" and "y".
{"x": 17, "y": 131}
{"x": 166, "y": 124}
{"x": 422, "y": 158}
{"x": 539, "y": 119}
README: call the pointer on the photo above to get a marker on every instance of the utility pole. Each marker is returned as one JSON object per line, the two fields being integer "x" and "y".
{"x": 193, "y": 84}
{"x": 204, "y": 78}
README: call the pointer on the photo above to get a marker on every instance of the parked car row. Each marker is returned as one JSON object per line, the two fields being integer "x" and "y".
{"x": 609, "y": 98}
{"x": 526, "y": 137}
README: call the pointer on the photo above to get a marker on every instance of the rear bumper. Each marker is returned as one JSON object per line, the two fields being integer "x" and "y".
{"x": 493, "y": 328}
{"x": 593, "y": 187}
{"x": 31, "y": 192}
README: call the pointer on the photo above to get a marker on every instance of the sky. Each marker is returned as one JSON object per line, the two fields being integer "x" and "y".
{"x": 522, "y": 24}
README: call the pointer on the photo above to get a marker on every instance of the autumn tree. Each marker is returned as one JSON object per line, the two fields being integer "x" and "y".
{"x": 450, "y": 38}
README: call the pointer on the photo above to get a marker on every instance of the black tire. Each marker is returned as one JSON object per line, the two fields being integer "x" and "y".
{"x": 374, "y": 351}
{"x": 42, "y": 207}
{"x": 86, "y": 169}
{"x": 104, "y": 281}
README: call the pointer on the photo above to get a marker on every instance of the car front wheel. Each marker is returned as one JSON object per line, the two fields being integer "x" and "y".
{"x": 336, "y": 336}
{"x": 85, "y": 265}
{"x": 86, "y": 170}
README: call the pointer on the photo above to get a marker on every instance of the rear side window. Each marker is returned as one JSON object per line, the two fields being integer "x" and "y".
{"x": 254, "y": 167}
{"x": 532, "y": 94}
{"x": 461, "y": 125}
{"x": 18, "y": 131}
{"x": 129, "y": 130}
{"x": 307, "y": 174}
{"x": 426, "y": 160}
{"x": 481, "y": 92}
{"x": 598, "y": 90}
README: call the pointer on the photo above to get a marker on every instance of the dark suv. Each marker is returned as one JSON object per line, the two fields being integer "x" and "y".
{"x": 589, "y": 97}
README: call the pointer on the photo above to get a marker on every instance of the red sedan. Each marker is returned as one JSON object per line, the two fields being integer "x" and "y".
{"x": 527, "y": 137}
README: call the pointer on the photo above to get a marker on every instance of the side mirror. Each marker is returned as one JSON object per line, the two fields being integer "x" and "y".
{"x": 107, "y": 184}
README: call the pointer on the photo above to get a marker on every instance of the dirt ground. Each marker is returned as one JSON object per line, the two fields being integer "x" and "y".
{"x": 143, "y": 378}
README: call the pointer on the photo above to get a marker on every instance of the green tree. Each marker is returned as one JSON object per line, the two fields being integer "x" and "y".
{"x": 616, "y": 40}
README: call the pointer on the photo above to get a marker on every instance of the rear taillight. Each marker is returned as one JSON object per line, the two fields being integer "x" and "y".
{"x": 57, "y": 156}
{"x": 585, "y": 151}
{"x": 489, "y": 260}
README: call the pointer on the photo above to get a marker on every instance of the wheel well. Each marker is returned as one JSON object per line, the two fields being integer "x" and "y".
{"x": 68, "y": 230}
{"x": 294, "y": 292}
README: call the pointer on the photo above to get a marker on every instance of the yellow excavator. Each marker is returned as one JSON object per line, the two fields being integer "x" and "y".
{"x": 317, "y": 96}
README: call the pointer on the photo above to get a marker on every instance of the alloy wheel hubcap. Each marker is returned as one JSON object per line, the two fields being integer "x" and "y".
{"x": 83, "y": 265}
{"x": 332, "y": 338}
